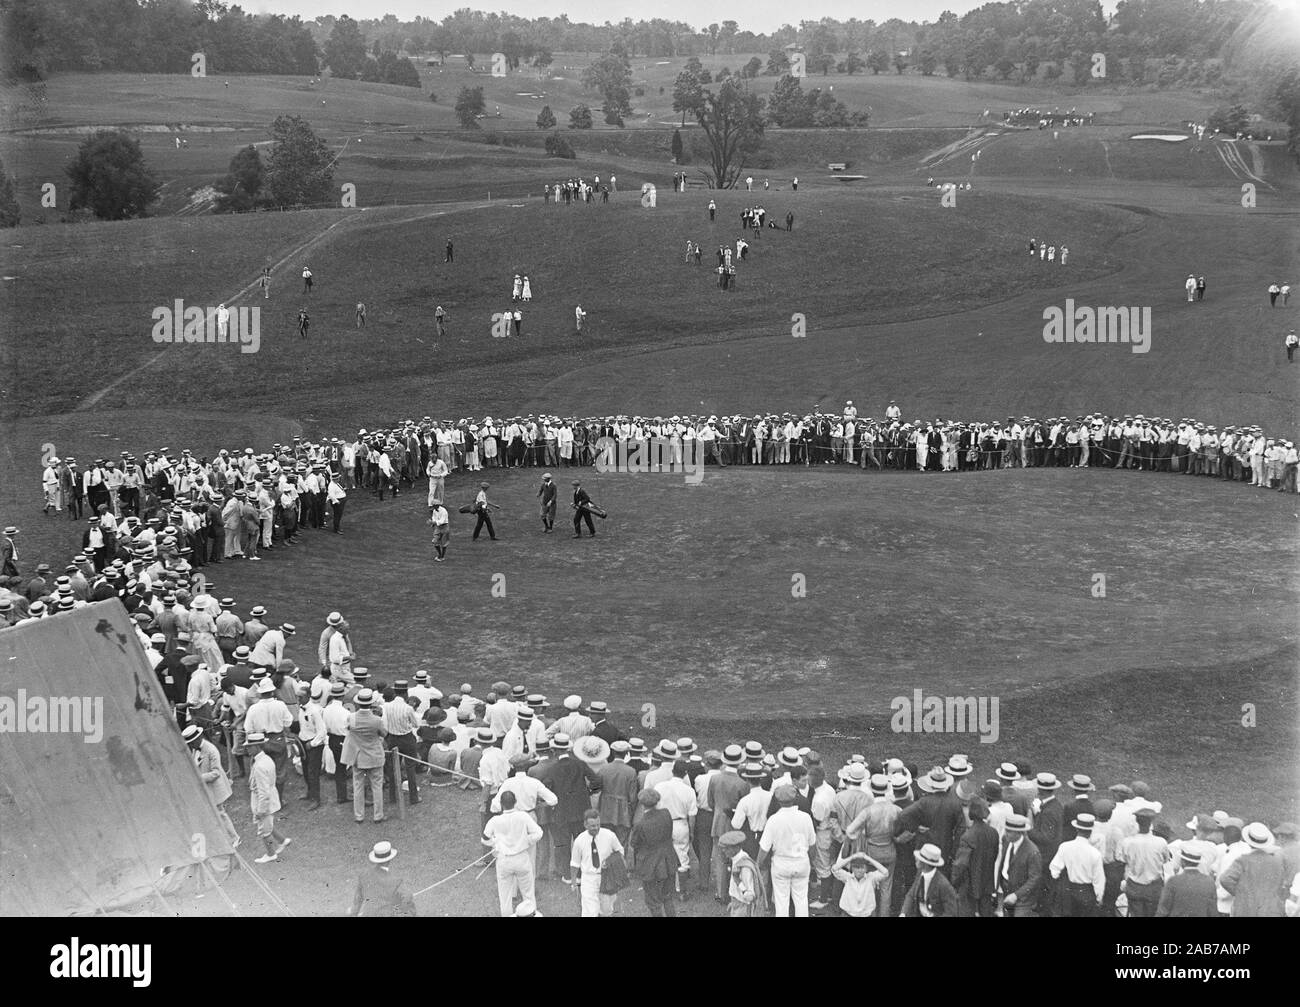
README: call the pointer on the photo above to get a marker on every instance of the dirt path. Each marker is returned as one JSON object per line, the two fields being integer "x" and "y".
{"x": 360, "y": 219}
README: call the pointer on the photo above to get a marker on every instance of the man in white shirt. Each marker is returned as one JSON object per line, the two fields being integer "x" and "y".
{"x": 677, "y": 797}
{"x": 787, "y": 838}
{"x": 314, "y": 736}
{"x": 423, "y": 693}
{"x": 501, "y": 715}
{"x": 270, "y": 717}
{"x": 334, "y": 717}
{"x": 269, "y": 651}
{"x": 513, "y": 836}
{"x": 337, "y": 498}
{"x": 574, "y": 723}
{"x": 1085, "y": 881}
{"x": 590, "y": 851}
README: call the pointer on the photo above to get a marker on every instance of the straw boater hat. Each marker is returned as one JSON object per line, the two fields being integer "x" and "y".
{"x": 1257, "y": 835}
{"x": 665, "y": 751}
{"x": 364, "y": 698}
{"x": 1046, "y": 781}
{"x": 382, "y": 853}
{"x": 592, "y": 750}
{"x": 561, "y": 742}
{"x": 929, "y": 855}
{"x": 936, "y": 781}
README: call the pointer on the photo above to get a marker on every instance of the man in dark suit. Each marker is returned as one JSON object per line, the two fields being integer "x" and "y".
{"x": 1047, "y": 834}
{"x": 581, "y": 501}
{"x": 937, "y": 816}
{"x": 1189, "y": 892}
{"x": 379, "y": 891}
{"x": 1082, "y": 787}
{"x": 603, "y": 729}
{"x": 973, "y": 868}
{"x": 654, "y": 860}
{"x": 573, "y": 782}
{"x": 1019, "y": 871}
{"x": 931, "y": 893}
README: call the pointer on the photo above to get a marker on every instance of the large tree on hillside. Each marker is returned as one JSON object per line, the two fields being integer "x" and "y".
{"x": 469, "y": 106}
{"x": 688, "y": 89}
{"x": 242, "y": 184}
{"x": 300, "y": 170}
{"x": 612, "y": 77}
{"x": 546, "y": 118}
{"x": 731, "y": 118}
{"x": 110, "y": 177}
{"x": 345, "y": 50}
{"x": 1285, "y": 93}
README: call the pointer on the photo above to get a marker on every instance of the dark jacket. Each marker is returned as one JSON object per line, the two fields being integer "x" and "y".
{"x": 942, "y": 899}
{"x": 651, "y": 843}
{"x": 1190, "y": 893}
{"x": 573, "y": 783}
{"x": 976, "y": 860}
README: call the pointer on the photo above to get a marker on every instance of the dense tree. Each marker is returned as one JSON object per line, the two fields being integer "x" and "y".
{"x": 300, "y": 169}
{"x": 853, "y": 63}
{"x": 1285, "y": 94}
{"x": 580, "y": 117}
{"x": 558, "y": 146}
{"x": 345, "y": 52}
{"x": 777, "y": 63}
{"x": 1231, "y": 120}
{"x": 731, "y": 119}
{"x": 9, "y": 211}
{"x": 927, "y": 62}
{"x": 469, "y": 106}
{"x": 678, "y": 149}
{"x": 752, "y": 68}
{"x": 546, "y": 118}
{"x": 110, "y": 178}
{"x": 688, "y": 88}
{"x": 611, "y": 76}
{"x": 877, "y": 61}
{"x": 242, "y": 183}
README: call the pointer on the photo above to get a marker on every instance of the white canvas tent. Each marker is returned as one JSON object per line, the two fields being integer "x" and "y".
{"x": 95, "y": 810}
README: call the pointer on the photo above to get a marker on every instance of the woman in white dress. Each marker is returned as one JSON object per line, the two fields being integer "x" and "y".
{"x": 489, "y": 443}
{"x": 203, "y": 635}
{"x": 518, "y": 288}
{"x": 921, "y": 438}
{"x": 471, "y": 449}
{"x": 528, "y": 290}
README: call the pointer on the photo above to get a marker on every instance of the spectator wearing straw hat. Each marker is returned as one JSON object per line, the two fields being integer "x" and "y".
{"x": 573, "y": 782}
{"x": 363, "y": 750}
{"x": 1077, "y": 863}
{"x": 931, "y": 893}
{"x": 1019, "y": 869}
{"x": 263, "y": 798}
{"x": 208, "y": 762}
{"x": 618, "y": 791}
{"x": 575, "y": 724}
{"x": 1047, "y": 833}
{"x": 380, "y": 892}
{"x": 1189, "y": 893}
{"x": 1255, "y": 879}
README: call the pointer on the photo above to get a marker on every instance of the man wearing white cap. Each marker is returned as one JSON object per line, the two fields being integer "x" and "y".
{"x": 513, "y": 834}
{"x": 380, "y": 892}
{"x": 574, "y": 723}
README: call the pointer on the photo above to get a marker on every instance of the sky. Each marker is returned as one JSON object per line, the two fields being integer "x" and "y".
{"x": 755, "y": 15}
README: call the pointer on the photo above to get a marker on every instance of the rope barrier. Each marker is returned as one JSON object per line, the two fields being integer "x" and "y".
{"x": 453, "y": 874}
